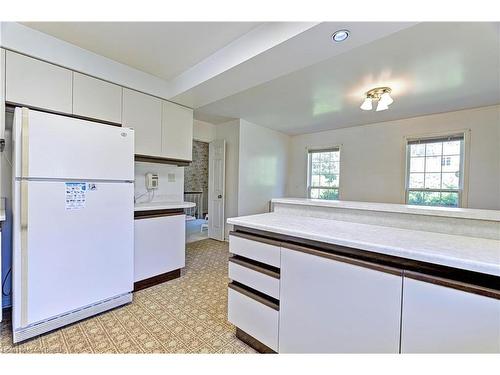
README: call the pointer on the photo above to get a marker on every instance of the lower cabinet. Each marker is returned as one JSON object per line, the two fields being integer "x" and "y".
{"x": 441, "y": 319}
{"x": 336, "y": 305}
{"x": 159, "y": 245}
{"x": 253, "y": 315}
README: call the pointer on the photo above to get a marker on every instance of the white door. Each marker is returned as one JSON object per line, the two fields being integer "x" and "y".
{"x": 66, "y": 259}
{"x": 68, "y": 148}
{"x": 216, "y": 188}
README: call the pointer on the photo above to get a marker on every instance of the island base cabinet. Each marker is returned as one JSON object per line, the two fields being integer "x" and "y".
{"x": 440, "y": 319}
{"x": 331, "y": 306}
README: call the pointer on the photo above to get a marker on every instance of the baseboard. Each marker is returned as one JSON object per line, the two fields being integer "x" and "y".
{"x": 253, "y": 342}
{"x": 158, "y": 279}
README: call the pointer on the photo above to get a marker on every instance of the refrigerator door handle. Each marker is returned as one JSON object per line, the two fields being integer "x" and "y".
{"x": 25, "y": 142}
{"x": 24, "y": 215}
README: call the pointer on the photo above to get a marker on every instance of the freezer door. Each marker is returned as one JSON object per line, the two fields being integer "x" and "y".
{"x": 78, "y": 248}
{"x": 54, "y": 146}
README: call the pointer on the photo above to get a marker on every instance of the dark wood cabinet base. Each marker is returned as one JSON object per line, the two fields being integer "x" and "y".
{"x": 253, "y": 342}
{"x": 158, "y": 279}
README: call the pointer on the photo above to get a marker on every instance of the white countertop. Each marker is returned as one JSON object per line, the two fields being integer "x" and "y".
{"x": 464, "y": 213}
{"x": 162, "y": 206}
{"x": 468, "y": 253}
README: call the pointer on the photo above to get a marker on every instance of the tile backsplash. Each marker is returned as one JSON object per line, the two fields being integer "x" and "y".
{"x": 170, "y": 182}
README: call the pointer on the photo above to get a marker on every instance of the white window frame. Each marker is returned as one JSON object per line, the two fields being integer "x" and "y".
{"x": 464, "y": 164}
{"x": 312, "y": 150}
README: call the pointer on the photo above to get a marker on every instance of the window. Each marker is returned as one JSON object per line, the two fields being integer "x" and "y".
{"x": 323, "y": 173}
{"x": 434, "y": 175}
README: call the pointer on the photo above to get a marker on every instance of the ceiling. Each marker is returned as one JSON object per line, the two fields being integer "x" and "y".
{"x": 290, "y": 76}
{"x": 431, "y": 67}
{"x": 163, "y": 49}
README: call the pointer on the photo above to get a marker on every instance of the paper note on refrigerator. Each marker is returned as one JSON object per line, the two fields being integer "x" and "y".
{"x": 76, "y": 194}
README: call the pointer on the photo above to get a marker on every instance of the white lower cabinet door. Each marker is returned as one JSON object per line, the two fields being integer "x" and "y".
{"x": 330, "y": 306}
{"x": 159, "y": 245}
{"x": 440, "y": 319}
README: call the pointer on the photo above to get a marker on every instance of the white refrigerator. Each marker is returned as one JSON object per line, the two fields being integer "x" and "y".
{"x": 73, "y": 220}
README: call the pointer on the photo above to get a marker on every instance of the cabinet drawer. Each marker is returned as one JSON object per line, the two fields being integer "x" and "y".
{"x": 262, "y": 252}
{"x": 266, "y": 283}
{"x": 255, "y": 318}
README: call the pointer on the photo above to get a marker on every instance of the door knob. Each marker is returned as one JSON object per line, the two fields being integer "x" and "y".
{"x": 219, "y": 196}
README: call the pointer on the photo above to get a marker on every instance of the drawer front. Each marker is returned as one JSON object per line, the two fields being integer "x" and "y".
{"x": 259, "y": 251}
{"x": 254, "y": 279}
{"x": 256, "y": 319}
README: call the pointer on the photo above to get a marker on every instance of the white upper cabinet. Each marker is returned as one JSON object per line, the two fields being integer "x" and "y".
{"x": 38, "y": 84}
{"x": 96, "y": 99}
{"x": 143, "y": 113}
{"x": 177, "y": 131}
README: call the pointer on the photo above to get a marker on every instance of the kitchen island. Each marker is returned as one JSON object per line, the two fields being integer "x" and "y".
{"x": 329, "y": 280}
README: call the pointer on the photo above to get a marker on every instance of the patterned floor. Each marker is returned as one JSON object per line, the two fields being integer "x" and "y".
{"x": 186, "y": 315}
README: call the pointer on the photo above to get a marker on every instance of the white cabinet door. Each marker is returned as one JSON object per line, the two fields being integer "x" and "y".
{"x": 38, "y": 84}
{"x": 143, "y": 113}
{"x": 329, "y": 306}
{"x": 96, "y": 99}
{"x": 439, "y": 319}
{"x": 177, "y": 131}
{"x": 159, "y": 246}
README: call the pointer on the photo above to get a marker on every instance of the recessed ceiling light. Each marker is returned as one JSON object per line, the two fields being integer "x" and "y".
{"x": 340, "y": 35}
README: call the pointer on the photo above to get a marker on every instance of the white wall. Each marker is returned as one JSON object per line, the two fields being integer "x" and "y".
{"x": 230, "y": 131}
{"x": 203, "y": 131}
{"x": 170, "y": 188}
{"x": 373, "y": 158}
{"x": 262, "y": 167}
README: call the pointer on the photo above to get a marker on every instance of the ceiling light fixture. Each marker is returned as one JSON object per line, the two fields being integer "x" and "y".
{"x": 340, "y": 35}
{"x": 379, "y": 94}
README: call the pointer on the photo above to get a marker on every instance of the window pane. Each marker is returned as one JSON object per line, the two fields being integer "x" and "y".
{"x": 433, "y": 148}
{"x": 315, "y": 180}
{"x": 330, "y": 194}
{"x": 451, "y": 148}
{"x": 336, "y": 167}
{"x": 315, "y": 193}
{"x": 433, "y": 180}
{"x": 450, "y": 181}
{"x": 449, "y": 199}
{"x": 416, "y": 180}
{"x": 417, "y": 150}
{"x": 417, "y": 164}
{"x": 416, "y": 197}
{"x": 426, "y": 198}
{"x": 325, "y": 172}
{"x": 451, "y": 163}
{"x": 433, "y": 164}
